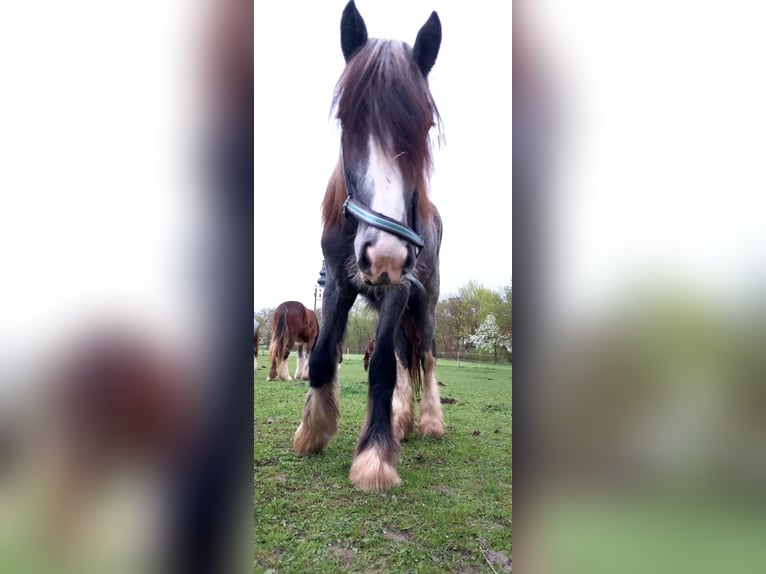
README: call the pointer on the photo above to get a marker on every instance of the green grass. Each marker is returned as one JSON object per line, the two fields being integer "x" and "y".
{"x": 451, "y": 514}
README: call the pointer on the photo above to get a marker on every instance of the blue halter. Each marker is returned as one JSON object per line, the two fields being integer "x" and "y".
{"x": 353, "y": 209}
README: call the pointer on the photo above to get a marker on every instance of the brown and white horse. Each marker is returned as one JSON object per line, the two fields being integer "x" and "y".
{"x": 381, "y": 239}
{"x": 293, "y": 323}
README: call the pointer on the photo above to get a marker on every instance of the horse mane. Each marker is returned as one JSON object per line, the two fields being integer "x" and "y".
{"x": 382, "y": 94}
{"x": 335, "y": 195}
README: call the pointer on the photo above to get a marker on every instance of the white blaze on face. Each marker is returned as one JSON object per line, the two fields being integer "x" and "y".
{"x": 387, "y": 184}
{"x": 385, "y": 180}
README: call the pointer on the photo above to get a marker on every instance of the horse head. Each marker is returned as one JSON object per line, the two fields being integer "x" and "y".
{"x": 386, "y": 112}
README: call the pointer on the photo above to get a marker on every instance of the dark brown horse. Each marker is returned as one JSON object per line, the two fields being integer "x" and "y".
{"x": 293, "y": 323}
{"x": 381, "y": 239}
{"x": 368, "y": 354}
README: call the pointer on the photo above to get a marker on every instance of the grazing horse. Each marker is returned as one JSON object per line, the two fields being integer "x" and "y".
{"x": 368, "y": 354}
{"x": 293, "y": 322}
{"x": 381, "y": 238}
{"x": 256, "y": 333}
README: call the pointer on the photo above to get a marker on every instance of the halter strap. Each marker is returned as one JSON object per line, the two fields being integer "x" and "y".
{"x": 353, "y": 209}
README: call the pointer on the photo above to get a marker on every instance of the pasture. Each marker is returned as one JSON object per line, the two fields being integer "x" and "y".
{"x": 451, "y": 514}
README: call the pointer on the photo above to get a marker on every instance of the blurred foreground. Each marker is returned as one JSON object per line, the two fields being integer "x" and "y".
{"x": 640, "y": 379}
{"x": 126, "y": 240}
{"x": 87, "y": 457}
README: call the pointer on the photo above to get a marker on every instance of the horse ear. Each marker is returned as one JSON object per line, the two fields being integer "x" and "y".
{"x": 353, "y": 31}
{"x": 427, "y": 43}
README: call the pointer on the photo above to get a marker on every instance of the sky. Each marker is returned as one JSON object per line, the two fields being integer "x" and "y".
{"x": 661, "y": 152}
{"x": 298, "y": 61}
{"x": 659, "y": 178}
{"x": 95, "y": 186}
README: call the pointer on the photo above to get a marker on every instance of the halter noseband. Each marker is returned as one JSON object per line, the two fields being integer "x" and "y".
{"x": 353, "y": 209}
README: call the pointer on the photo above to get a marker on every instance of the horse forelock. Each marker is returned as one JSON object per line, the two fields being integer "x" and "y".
{"x": 382, "y": 95}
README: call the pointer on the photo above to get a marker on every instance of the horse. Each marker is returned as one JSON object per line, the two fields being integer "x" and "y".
{"x": 256, "y": 333}
{"x": 292, "y": 322}
{"x": 381, "y": 237}
{"x": 368, "y": 354}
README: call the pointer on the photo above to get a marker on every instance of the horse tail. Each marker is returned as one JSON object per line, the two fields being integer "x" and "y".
{"x": 280, "y": 338}
{"x": 415, "y": 352}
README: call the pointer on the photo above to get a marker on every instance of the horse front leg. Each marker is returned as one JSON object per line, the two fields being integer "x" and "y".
{"x": 319, "y": 421}
{"x": 431, "y": 418}
{"x": 374, "y": 466}
{"x": 403, "y": 418}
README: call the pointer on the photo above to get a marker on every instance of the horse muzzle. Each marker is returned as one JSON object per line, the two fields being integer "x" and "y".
{"x": 385, "y": 260}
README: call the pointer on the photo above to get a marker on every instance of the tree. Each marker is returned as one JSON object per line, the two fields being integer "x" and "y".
{"x": 360, "y": 329}
{"x": 460, "y": 314}
{"x": 264, "y": 317}
{"x": 505, "y": 314}
{"x": 488, "y": 337}
{"x": 454, "y": 322}
{"x": 478, "y": 302}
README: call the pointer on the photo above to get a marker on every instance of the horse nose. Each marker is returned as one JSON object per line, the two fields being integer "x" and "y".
{"x": 384, "y": 262}
{"x": 364, "y": 262}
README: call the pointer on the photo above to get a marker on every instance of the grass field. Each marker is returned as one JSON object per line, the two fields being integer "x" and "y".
{"x": 451, "y": 514}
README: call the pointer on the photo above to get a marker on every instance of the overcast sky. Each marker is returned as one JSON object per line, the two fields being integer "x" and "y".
{"x": 297, "y": 63}
{"x": 662, "y": 151}
{"x": 660, "y": 179}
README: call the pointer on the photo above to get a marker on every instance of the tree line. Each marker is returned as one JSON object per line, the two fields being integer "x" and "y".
{"x": 473, "y": 324}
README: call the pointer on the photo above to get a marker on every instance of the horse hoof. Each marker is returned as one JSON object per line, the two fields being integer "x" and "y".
{"x": 403, "y": 426}
{"x": 431, "y": 426}
{"x": 306, "y": 442}
{"x": 371, "y": 472}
